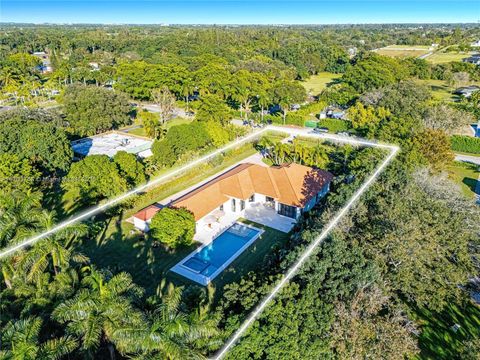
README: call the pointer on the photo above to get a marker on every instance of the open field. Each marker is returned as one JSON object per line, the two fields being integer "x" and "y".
{"x": 440, "y": 89}
{"x": 466, "y": 176}
{"x": 409, "y": 47}
{"x": 401, "y": 53}
{"x": 317, "y": 83}
{"x": 445, "y": 57}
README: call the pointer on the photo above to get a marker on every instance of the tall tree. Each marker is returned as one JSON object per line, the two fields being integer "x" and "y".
{"x": 165, "y": 101}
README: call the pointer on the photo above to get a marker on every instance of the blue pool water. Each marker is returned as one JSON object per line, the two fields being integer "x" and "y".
{"x": 220, "y": 250}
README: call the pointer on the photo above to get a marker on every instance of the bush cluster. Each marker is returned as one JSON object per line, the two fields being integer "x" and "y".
{"x": 465, "y": 144}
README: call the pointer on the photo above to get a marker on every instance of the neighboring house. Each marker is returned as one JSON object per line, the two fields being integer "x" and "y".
{"x": 275, "y": 196}
{"x": 474, "y": 59}
{"x": 111, "y": 142}
{"x": 46, "y": 66}
{"x": 467, "y": 91}
{"x": 475, "y": 44}
{"x": 332, "y": 112}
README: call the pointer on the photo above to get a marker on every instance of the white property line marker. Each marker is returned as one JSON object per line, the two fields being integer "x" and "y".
{"x": 306, "y": 254}
{"x": 97, "y": 209}
{"x": 292, "y": 271}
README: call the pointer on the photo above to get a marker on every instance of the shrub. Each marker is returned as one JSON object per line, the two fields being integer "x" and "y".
{"x": 465, "y": 144}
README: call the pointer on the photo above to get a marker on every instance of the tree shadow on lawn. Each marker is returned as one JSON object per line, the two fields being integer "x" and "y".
{"x": 437, "y": 339}
{"x": 119, "y": 248}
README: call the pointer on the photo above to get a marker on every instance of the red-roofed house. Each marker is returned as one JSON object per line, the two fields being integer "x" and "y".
{"x": 275, "y": 196}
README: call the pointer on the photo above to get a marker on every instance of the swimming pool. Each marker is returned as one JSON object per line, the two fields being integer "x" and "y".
{"x": 205, "y": 263}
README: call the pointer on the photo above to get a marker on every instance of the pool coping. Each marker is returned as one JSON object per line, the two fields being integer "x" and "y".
{"x": 180, "y": 269}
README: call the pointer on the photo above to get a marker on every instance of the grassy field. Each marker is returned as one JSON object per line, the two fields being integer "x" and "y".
{"x": 465, "y": 175}
{"x": 400, "y": 53}
{"x": 334, "y": 125}
{"x": 408, "y": 47}
{"x": 317, "y": 83}
{"x": 440, "y": 89}
{"x": 141, "y": 131}
{"x": 437, "y": 340}
{"x": 445, "y": 57}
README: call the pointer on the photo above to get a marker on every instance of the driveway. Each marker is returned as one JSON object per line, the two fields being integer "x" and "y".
{"x": 468, "y": 158}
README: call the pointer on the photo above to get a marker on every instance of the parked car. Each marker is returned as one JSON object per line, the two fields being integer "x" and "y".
{"x": 320, "y": 130}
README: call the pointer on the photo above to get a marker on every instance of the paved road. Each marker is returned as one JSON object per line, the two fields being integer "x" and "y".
{"x": 468, "y": 158}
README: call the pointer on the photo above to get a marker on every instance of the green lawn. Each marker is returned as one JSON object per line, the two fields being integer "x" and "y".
{"x": 317, "y": 83}
{"x": 437, "y": 340}
{"x": 122, "y": 248}
{"x": 466, "y": 175}
{"x": 334, "y": 125}
{"x": 400, "y": 53}
{"x": 440, "y": 89}
{"x": 407, "y": 47}
{"x": 177, "y": 121}
{"x": 445, "y": 57}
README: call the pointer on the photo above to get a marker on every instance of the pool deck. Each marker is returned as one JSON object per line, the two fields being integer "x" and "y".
{"x": 205, "y": 280}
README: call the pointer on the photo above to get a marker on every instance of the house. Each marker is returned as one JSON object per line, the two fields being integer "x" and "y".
{"x": 332, "y": 112}
{"x": 46, "y": 66}
{"x": 467, "y": 91}
{"x": 475, "y": 44}
{"x": 142, "y": 219}
{"x": 111, "y": 142}
{"x": 275, "y": 196}
{"x": 474, "y": 59}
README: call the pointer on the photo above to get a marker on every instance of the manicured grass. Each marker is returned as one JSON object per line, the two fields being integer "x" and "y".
{"x": 408, "y": 47}
{"x": 400, "y": 53}
{"x": 122, "y": 248}
{"x": 138, "y": 131}
{"x": 189, "y": 178}
{"x": 445, "y": 57}
{"x": 437, "y": 340}
{"x": 466, "y": 175}
{"x": 177, "y": 121}
{"x": 334, "y": 125}
{"x": 317, "y": 83}
{"x": 440, "y": 89}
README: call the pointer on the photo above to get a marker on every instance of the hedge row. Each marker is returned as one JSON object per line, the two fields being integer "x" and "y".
{"x": 465, "y": 144}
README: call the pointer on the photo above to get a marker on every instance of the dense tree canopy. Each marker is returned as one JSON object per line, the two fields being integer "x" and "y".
{"x": 91, "y": 110}
{"x": 94, "y": 178}
{"x": 41, "y": 142}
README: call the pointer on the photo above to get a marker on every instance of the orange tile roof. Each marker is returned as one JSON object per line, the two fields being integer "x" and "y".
{"x": 148, "y": 212}
{"x": 291, "y": 184}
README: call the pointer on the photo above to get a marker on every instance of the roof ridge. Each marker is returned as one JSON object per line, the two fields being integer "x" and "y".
{"x": 290, "y": 183}
{"x": 272, "y": 180}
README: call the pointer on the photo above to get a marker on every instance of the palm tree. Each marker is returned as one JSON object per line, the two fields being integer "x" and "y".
{"x": 20, "y": 341}
{"x": 55, "y": 250}
{"x": 21, "y": 215}
{"x": 168, "y": 333}
{"x": 100, "y": 310}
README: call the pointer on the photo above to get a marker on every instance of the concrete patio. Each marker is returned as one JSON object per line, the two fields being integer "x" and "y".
{"x": 262, "y": 214}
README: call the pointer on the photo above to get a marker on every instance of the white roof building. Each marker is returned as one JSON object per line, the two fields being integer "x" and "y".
{"x": 112, "y": 142}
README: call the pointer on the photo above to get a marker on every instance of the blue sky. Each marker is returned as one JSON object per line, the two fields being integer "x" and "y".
{"x": 240, "y": 12}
